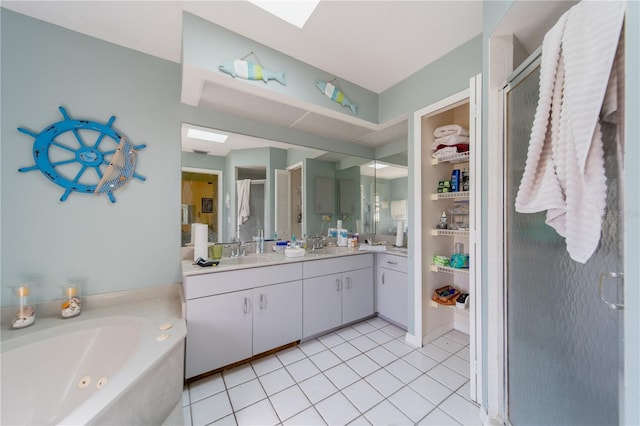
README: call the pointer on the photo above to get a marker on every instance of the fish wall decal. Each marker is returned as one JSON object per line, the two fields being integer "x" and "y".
{"x": 251, "y": 71}
{"x": 335, "y": 94}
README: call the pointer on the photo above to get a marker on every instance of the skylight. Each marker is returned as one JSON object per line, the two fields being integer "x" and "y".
{"x": 207, "y": 136}
{"x": 294, "y": 12}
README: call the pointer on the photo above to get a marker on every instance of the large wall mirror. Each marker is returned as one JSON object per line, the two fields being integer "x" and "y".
{"x": 241, "y": 185}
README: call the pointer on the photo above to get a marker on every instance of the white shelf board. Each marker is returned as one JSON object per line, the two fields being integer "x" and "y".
{"x": 458, "y": 157}
{"x": 449, "y": 195}
{"x": 449, "y": 270}
{"x": 449, "y": 233}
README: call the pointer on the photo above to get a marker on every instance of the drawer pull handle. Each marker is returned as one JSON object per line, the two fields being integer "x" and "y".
{"x": 247, "y": 306}
{"x": 337, "y": 284}
{"x": 383, "y": 278}
{"x": 348, "y": 283}
{"x": 263, "y": 301}
{"x": 392, "y": 263}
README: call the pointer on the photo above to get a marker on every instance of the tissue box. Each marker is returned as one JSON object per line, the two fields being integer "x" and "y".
{"x": 294, "y": 252}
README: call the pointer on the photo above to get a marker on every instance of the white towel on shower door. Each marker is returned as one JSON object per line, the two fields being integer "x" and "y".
{"x": 244, "y": 191}
{"x": 564, "y": 172}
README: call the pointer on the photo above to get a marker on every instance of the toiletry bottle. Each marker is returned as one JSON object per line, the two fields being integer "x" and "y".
{"x": 442, "y": 224}
{"x": 455, "y": 180}
{"x": 465, "y": 179}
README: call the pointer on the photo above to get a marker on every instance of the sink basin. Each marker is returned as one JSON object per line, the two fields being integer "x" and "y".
{"x": 329, "y": 250}
{"x": 247, "y": 260}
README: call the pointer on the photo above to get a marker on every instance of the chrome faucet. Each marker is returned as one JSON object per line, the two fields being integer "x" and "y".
{"x": 235, "y": 246}
{"x": 317, "y": 242}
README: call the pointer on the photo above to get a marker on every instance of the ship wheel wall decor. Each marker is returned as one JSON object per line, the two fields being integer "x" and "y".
{"x": 73, "y": 147}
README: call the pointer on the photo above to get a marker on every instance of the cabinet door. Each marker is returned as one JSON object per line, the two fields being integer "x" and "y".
{"x": 277, "y": 315}
{"x": 392, "y": 295}
{"x": 218, "y": 331}
{"x": 321, "y": 304}
{"x": 357, "y": 294}
{"x": 325, "y": 195}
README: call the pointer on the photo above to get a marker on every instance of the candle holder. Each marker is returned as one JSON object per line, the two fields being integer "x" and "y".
{"x": 26, "y": 314}
{"x": 71, "y": 301}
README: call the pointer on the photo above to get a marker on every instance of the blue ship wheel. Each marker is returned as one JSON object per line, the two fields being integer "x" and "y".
{"x": 76, "y": 145}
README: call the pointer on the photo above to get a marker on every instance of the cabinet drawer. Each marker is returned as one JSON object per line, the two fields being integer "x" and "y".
{"x": 318, "y": 268}
{"x": 224, "y": 282}
{"x": 389, "y": 261}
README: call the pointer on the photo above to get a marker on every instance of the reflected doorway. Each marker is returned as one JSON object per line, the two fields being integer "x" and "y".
{"x": 200, "y": 202}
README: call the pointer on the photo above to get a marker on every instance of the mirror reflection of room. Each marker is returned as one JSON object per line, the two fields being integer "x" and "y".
{"x": 199, "y": 204}
{"x": 281, "y": 199}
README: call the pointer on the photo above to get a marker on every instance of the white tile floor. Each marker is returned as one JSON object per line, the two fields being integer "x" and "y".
{"x": 364, "y": 374}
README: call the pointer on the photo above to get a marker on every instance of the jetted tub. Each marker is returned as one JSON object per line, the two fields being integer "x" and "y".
{"x": 98, "y": 368}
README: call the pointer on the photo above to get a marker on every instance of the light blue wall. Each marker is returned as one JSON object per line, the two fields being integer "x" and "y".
{"x": 438, "y": 80}
{"x": 134, "y": 243}
{"x": 106, "y": 247}
{"x": 207, "y": 46}
{"x": 201, "y": 161}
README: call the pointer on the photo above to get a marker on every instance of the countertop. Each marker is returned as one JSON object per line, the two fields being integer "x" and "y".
{"x": 268, "y": 259}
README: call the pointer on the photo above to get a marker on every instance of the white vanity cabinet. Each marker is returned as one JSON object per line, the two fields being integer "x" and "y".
{"x": 234, "y": 315}
{"x": 392, "y": 295}
{"x": 277, "y": 315}
{"x": 219, "y": 331}
{"x": 343, "y": 296}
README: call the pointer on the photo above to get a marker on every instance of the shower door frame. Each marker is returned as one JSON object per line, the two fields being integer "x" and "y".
{"x": 518, "y": 75}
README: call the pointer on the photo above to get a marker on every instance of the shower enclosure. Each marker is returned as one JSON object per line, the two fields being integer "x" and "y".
{"x": 564, "y": 342}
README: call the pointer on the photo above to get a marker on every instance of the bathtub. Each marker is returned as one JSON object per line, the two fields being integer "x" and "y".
{"x": 99, "y": 368}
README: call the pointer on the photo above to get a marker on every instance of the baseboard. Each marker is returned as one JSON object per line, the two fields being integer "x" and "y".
{"x": 438, "y": 332}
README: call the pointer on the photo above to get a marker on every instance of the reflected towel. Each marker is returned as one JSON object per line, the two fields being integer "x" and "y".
{"x": 244, "y": 190}
{"x": 450, "y": 129}
{"x": 564, "y": 172}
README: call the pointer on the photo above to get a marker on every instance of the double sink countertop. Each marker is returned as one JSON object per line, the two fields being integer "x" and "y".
{"x": 256, "y": 260}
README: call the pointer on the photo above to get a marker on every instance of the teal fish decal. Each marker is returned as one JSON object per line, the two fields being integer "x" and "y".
{"x": 251, "y": 71}
{"x": 335, "y": 94}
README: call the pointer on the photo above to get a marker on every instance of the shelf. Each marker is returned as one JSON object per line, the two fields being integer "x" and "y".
{"x": 453, "y": 308}
{"x": 449, "y": 195}
{"x": 449, "y": 270}
{"x": 458, "y": 157}
{"x": 449, "y": 233}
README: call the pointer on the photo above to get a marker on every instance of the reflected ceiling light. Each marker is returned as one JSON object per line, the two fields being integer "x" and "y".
{"x": 294, "y": 12}
{"x": 207, "y": 136}
{"x": 378, "y": 166}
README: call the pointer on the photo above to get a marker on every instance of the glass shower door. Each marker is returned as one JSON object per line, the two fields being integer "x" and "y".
{"x": 563, "y": 343}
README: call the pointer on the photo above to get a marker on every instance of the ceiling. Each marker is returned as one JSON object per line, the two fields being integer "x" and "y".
{"x": 374, "y": 44}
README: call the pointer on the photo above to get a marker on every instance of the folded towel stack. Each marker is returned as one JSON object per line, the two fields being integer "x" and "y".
{"x": 450, "y": 139}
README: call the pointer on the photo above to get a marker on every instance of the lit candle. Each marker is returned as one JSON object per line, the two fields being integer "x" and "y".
{"x": 71, "y": 291}
{"x": 22, "y": 291}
